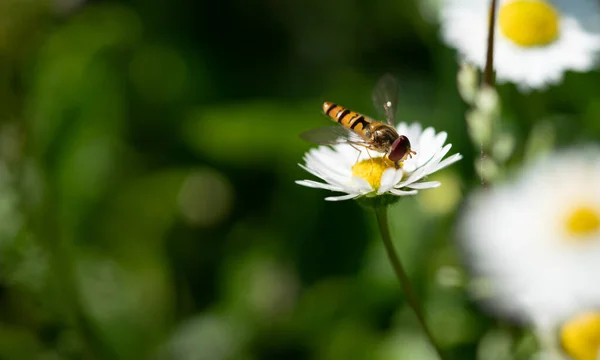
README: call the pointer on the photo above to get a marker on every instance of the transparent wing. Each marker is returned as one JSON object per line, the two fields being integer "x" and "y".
{"x": 385, "y": 97}
{"x": 330, "y": 135}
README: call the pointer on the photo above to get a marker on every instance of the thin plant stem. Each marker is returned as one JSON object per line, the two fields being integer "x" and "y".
{"x": 488, "y": 74}
{"x": 411, "y": 298}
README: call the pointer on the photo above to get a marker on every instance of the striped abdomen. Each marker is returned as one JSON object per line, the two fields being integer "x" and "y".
{"x": 347, "y": 118}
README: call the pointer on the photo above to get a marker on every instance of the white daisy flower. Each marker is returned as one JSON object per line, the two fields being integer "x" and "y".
{"x": 536, "y": 41}
{"x": 368, "y": 174}
{"x": 535, "y": 242}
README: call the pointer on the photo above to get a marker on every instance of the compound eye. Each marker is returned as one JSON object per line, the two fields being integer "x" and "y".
{"x": 400, "y": 149}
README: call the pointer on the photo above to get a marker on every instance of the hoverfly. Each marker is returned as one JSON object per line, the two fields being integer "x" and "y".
{"x": 359, "y": 130}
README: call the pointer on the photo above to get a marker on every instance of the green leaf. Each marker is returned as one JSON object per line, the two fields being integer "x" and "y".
{"x": 254, "y": 132}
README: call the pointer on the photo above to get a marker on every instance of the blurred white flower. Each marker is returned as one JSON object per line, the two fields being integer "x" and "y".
{"x": 338, "y": 167}
{"x": 535, "y": 242}
{"x": 536, "y": 41}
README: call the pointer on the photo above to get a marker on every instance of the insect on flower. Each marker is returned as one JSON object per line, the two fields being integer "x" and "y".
{"x": 358, "y": 130}
{"x": 394, "y": 168}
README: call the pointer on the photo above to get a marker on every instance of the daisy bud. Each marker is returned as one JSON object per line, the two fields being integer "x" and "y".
{"x": 479, "y": 125}
{"x": 467, "y": 81}
{"x": 503, "y": 147}
{"x": 487, "y": 101}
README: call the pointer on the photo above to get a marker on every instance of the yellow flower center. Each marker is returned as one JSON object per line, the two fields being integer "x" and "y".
{"x": 371, "y": 170}
{"x": 580, "y": 336}
{"x": 529, "y": 23}
{"x": 582, "y": 221}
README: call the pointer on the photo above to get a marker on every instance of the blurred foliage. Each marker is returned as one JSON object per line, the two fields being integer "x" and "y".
{"x": 147, "y": 156}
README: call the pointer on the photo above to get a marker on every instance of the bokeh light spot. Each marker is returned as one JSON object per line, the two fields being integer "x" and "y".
{"x": 205, "y": 198}
{"x": 444, "y": 199}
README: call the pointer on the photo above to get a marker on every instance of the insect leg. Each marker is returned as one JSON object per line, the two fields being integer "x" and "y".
{"x": 370, "y": 157}
{"x": 359, "y": 152}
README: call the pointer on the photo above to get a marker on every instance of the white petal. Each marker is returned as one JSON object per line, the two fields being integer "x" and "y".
{"x": 410, "y": 165}
{"x": 360, "y": 185}
{"x": 387, "y": 180}
{"x": 402, "y": 192}
{"x": 398, "y": 176}
{"x": 415, "y": 176}
{"x": 446, "y": 162}
{"x": 430, "y": 168}
{"x": 440, "y": 139}
{"x": 326, "y": 177}
{"x": 341, "y": 198}
{"x": 318, "y": 185}
{"x": 402, "y": 128}
{"x": 427, "y": 156}
{"x": 427, "y": 137}
{"x": 425, "y": 185}
{"x": 414, "y": 130}
{"x": 328, "y": 161}
{"x": 435, "y": 160}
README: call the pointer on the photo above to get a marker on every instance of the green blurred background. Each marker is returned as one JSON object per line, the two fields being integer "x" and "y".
{"x": 148, "y": 210}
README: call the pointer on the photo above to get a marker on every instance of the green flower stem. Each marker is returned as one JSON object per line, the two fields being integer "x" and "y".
{"x": 382, "y": 219}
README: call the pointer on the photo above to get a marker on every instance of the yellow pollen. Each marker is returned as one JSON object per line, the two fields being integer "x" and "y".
{"x": 584, "y": 220}
{"x": 580, "y": 336}
{"x": 529, "y": 23}
{"x": 371, "y": 170}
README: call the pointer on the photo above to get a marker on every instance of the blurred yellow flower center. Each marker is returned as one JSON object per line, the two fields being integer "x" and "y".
{"x": 580, "y": 336}
{"x": 584, "y": 220}
{"x": 529, "y": 23}
{"x": 371, "y": 170}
